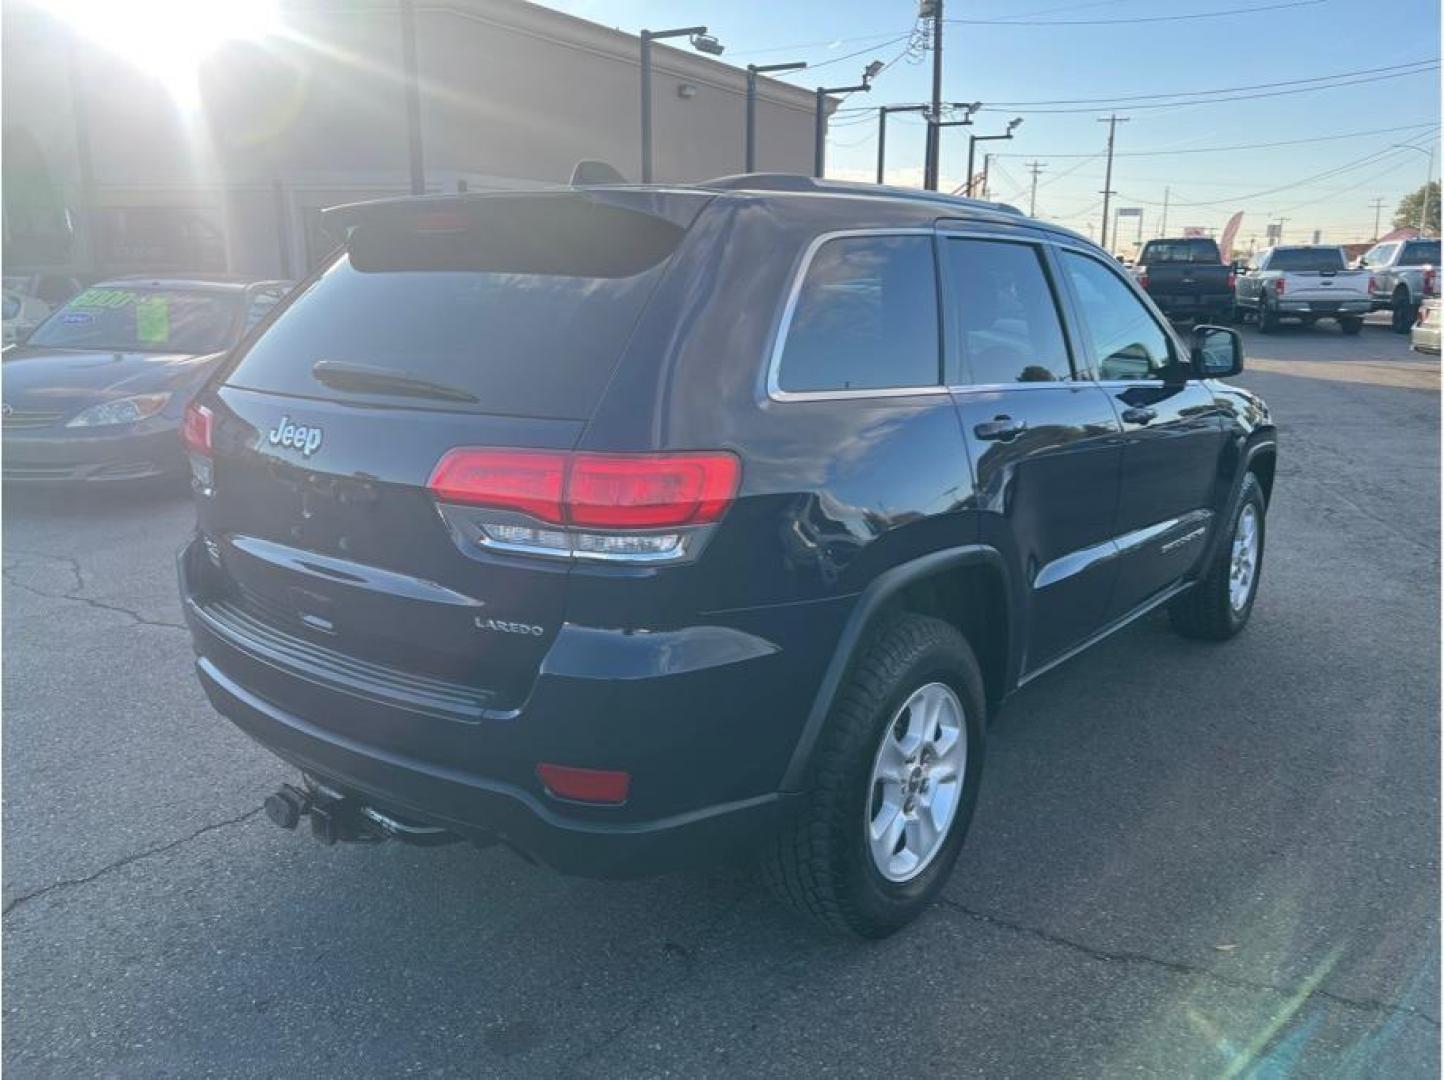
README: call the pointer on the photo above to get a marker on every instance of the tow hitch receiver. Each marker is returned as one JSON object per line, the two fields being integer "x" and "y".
{"x": 336, "y": 817}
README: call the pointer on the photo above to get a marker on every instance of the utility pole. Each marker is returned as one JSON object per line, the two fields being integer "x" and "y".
{"x": 1377, "y": 204}
{"x": 1163, "y": 224}
{"x": 882, "y": 115}
{"x": 1112, "y": 121}
{"x": 1034, "y": 167}
{"x": 413, "y": 97}
{"x": 987, "y": 165}
{"x": 753, "y": 70}
{"x": 934, "y": 10}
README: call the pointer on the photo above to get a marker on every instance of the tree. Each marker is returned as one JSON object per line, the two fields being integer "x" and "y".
{"x": 1407, "y": 215}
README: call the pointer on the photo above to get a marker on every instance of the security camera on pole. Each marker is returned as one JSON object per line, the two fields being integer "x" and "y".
{"x": 702, "y": 42}
{"x": 819, "y": 128}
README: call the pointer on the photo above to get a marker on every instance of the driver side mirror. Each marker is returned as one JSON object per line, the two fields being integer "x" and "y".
{"x": 1217, "y": 352}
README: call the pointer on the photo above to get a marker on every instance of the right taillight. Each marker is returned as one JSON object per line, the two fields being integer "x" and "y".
{"x": 1143, "y": 280}
{"x": 623, "y": 507}
{"x": 196, "y": 428}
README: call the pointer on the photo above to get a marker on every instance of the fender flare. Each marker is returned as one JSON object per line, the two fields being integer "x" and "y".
{"x": 1262, "y": 442}
{"x": 869, "y": 602}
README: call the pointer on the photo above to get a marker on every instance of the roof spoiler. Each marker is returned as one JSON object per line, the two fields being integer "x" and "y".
{"x": 589, "y": 173}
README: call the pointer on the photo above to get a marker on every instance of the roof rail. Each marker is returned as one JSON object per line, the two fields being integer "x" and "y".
{"x": 798, "y": 182}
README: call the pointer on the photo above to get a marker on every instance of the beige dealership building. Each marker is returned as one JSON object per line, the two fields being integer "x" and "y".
{"x": 105, "y": 168}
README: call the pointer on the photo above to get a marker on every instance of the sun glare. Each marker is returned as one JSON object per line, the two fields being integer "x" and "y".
{"x": 168, "y": 38}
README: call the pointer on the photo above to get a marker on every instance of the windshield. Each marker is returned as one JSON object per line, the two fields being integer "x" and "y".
{"x": 1180, "y": 251}
{"x": 1307, "y": 259}
{"x": 143, "y": 320}
{"x": 1420, "y": 253}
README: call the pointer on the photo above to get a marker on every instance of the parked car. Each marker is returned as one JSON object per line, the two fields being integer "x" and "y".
{"x": 1304, "y": 282}
{"x": 633, "y": 527}
{"x": 22, "y": 314}
{"x": 1404, "y": 273}
{"x": 1425, "y": 335}
{"x": 1186, "y": 277}
{"x": 51, "y": 287}
{"x": 97, "y": 391}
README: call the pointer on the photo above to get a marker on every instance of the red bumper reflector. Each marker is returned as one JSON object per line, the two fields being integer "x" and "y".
{"x": 585, "y": 785}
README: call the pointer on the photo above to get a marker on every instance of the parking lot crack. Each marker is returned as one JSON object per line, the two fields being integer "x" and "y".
{"x": 90, "y": 601}
{"x": 1180, "y": 967}
{"x": 161, "y": 849}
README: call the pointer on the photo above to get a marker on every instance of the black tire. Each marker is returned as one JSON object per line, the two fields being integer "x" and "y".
{"x": 1268, "y": 321}
{"x": 1206, "y": 611}
{"x": 1351, "y": 325}
{"x": 1404, "y": 312}
{"x": 820, "y": 862}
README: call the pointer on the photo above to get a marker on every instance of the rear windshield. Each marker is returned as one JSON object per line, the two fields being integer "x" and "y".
{"x": 1420, "y": 253}
{"x": 517, "y": 314}
{"x": 143, "y": 320}
{"x": 1307, "y": 259}
{"x": 1179, "y": 251}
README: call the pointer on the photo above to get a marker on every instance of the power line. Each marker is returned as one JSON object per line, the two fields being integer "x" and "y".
{"x": 1140, "y": 19}
{"x": 1367, "y": 159}
{"x": 1215, "y": 90}
{"x": 1247, "y": 146}
{"x": 1214, "y": 99}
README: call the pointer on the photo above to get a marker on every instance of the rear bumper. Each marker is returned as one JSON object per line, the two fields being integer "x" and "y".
{"x": 483, "y": 809}
{"x": 57, "y": 455}
{"x": 1219, "y": 304}
{"x": 706, "y": 746}
{"x": 1324, "y": 309}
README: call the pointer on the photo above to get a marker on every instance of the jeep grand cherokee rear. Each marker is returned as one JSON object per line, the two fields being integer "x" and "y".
{"x": 634, "y": 526}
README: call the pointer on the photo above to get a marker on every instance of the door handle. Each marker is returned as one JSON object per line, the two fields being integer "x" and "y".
{"x": 1000, "y": 429}
{"x": 1139, "y": 414}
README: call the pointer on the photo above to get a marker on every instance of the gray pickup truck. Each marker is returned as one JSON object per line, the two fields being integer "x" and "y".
{"x": 1304, "y": 282}
{"x": 1186, "y": 278}
{"x": 1402, "y": 273}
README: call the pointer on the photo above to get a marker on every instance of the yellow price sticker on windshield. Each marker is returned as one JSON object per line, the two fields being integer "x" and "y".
{"x": 152, "y": 319}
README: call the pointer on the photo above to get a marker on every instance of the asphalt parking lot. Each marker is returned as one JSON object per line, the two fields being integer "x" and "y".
{"x": 1188, "y": 860}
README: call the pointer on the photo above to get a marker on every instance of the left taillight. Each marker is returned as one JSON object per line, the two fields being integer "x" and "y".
{"x": 621, "y": 507}
{"x": 196, "y": 428}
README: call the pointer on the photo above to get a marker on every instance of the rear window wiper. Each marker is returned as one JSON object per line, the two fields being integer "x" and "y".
{"x": 343, "y": 376}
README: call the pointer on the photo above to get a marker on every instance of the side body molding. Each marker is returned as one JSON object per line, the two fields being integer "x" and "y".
{"x": 869, "y": 602}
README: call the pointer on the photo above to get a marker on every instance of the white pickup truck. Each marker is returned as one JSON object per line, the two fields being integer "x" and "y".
{"x": 1304, "y": 282}
{"x": 1403, "y": 273}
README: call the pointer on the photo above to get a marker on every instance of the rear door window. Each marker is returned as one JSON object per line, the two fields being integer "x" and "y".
{"x": 1008, "y": 328}
{"x": 521, "y": 309}
{"x": 865, "y": 318}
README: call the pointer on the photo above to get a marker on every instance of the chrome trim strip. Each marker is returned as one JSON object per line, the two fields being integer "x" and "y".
{"x": 1075, "y": 562}
{"x": 799, "y": 275}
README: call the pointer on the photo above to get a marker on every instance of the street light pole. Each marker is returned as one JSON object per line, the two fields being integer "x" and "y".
{"x": 882, "y": 113}
{"x": 973, "y": 141}
{"x": 700, "y": 41}
{"x": 1428, "y": 179}
{"x": 753, "y": 70}
{"x": 819, "y": 119}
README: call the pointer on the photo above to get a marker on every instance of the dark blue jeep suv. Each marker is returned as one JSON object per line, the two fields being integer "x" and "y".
{"x": 636, "y": 526}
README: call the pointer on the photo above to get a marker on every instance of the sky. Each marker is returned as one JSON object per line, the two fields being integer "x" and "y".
{"x": 1248, "y": 150}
